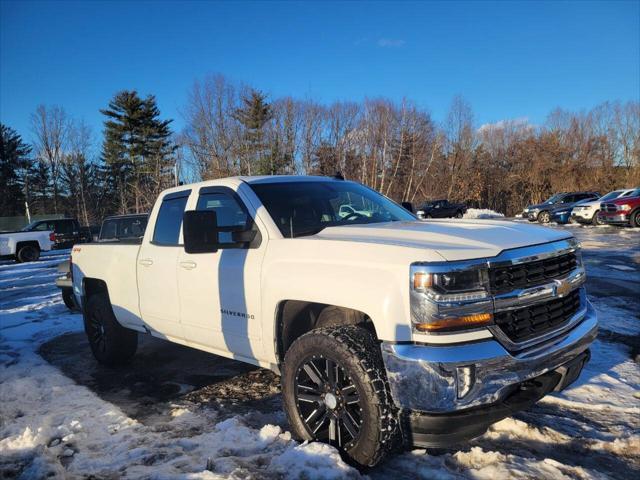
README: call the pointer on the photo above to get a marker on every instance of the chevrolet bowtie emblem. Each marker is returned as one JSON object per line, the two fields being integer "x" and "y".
{"x": 563, "y": 287}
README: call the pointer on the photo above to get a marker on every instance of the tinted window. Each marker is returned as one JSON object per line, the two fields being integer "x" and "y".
{"x": 229, "y": 212}
{"x": 64, "y": 227}
{"x": 167, "y": 230}
{"x": 305, "y": 208}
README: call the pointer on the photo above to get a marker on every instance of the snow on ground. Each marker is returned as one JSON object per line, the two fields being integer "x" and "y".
{"x": 483, "y": 213}
{"x": 67, "y": 417}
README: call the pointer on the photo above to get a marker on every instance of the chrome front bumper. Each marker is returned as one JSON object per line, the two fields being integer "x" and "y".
{"x": 441, "y": 379}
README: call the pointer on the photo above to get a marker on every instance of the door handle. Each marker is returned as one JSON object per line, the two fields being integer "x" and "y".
{"x": 188, "y": 265}
{"x": 146, "y": 262}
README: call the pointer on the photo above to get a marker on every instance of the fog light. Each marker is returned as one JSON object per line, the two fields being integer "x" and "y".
{"x": 466, "y": 378}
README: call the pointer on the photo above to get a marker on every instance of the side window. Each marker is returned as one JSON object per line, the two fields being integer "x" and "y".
{"x": 228, "y": 211}
{"x": 41, "y": 227}
{"x": 108, "y": 230}
{"x": 167, "y": 229}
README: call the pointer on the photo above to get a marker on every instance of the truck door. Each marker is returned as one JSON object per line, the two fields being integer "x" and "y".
{"x": 157, "y": 263}
{"x": 220, "y": 292}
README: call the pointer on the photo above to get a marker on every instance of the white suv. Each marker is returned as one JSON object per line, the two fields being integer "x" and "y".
{"x": 587, "y": 212}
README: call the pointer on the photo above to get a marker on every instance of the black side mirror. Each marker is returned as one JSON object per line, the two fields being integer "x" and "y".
{"x": 408, "y": 206}
{"x": 202, "y": 234}
{"x": 200, "y": 231}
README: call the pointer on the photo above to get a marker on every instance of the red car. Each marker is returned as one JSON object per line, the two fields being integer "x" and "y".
{"x": 623, "y": 211}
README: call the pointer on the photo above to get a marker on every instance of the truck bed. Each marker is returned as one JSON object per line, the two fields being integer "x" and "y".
{"x": 115, "y": 263}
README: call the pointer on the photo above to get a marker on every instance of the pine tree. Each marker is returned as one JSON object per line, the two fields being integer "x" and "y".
{"x": 14, "y": 162}
{"x": 137, "y": 150}
{"x": 253, "y": 116}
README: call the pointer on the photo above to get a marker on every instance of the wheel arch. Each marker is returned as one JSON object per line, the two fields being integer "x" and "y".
{"x": 27, "y": 243}
{"x": 294, "y": 318}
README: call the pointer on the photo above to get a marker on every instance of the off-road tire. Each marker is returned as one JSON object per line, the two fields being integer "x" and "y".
{"x": 356, "y": 352}
{"x": 544, "y": 217}
{"x": 68, "y": 299}
{"x": 634, "y": 219}
{"x": 110, "y": 342}
{"x": 27, "y": 253}
{"x": 595, "y": 220}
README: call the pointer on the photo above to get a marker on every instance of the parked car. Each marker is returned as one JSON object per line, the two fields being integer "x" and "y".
{"x": 587, "y": 211}
{"x": 542, "y": 211}
{"x": 67, "y": 231}
{"x": 622, "y": 211}
{"x": 386, "y": 330}
{"x": 25, "y": 246}
{"x": 114, "y": 228}
{"x": 441, "y": 209}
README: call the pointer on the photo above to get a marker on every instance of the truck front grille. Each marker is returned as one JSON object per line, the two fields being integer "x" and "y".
{"x": 525, "y": 323}
{"x": 608, "y": 207}
{"x": 505, "y": 279}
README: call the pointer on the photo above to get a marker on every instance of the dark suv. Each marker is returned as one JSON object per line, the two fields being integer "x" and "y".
{"x": 67, "y": 231}
{"x": 542, "y": 212}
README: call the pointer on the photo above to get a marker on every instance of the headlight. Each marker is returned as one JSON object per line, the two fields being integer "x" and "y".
{"x": 445, "y": 299}
{"x": 623, "y": 207}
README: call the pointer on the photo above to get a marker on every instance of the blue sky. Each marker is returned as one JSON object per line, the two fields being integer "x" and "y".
{"x": 509, "y": 59}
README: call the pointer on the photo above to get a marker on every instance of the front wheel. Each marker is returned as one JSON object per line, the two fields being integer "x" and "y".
{"x": 596, "y": 218}
{"x": 544, "y": 217}
{"x": 335, "y": 390}
{"x": 110, "y": 342}
{"x": 459, "y": 214}
{"x": 634, "y": 219}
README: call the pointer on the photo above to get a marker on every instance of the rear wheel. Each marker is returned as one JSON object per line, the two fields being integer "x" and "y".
{"x": 634, "y": 219}
{"x": 335, "y": 390}
{"x": 544, "y": 217}
{"x": 110, "y": 342}
{"x": 28, "y": 253}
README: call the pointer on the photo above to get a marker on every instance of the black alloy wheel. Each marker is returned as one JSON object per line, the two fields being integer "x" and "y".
{"x": 96, "y": 332}
{"x": 328, "y": 401}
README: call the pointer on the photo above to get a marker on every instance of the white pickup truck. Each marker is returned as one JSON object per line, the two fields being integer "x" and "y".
{"x": 25, "y": 246}
{"x": 386, "y": 330}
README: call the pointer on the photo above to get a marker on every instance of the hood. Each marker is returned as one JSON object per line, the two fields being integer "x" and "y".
{"x": 589, "y": 203}
{"x": 452, "y": 240}
{"x": 542, "y": 205}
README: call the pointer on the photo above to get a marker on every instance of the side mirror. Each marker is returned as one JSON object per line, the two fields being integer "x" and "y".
{"x": 408, "y": 206}
{"x": 200, "y": 231}
{"x": 203, "y": 235}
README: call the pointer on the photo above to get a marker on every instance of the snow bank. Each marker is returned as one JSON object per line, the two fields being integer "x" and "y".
{"x": 483, "y": 213}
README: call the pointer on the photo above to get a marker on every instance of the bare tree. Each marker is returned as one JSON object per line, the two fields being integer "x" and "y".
{"x": 50, "y": 126}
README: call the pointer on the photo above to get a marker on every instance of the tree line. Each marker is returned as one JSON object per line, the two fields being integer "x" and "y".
{"x": 396, "y": 148}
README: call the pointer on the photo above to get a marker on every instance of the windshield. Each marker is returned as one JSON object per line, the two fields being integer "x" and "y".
{"x": 305, "y": 208}
{"x": 29, "y": 227}
{"x": 554, "y": 198}
{"x": 634, "y": 193}
{"x": 612, "y": 195}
